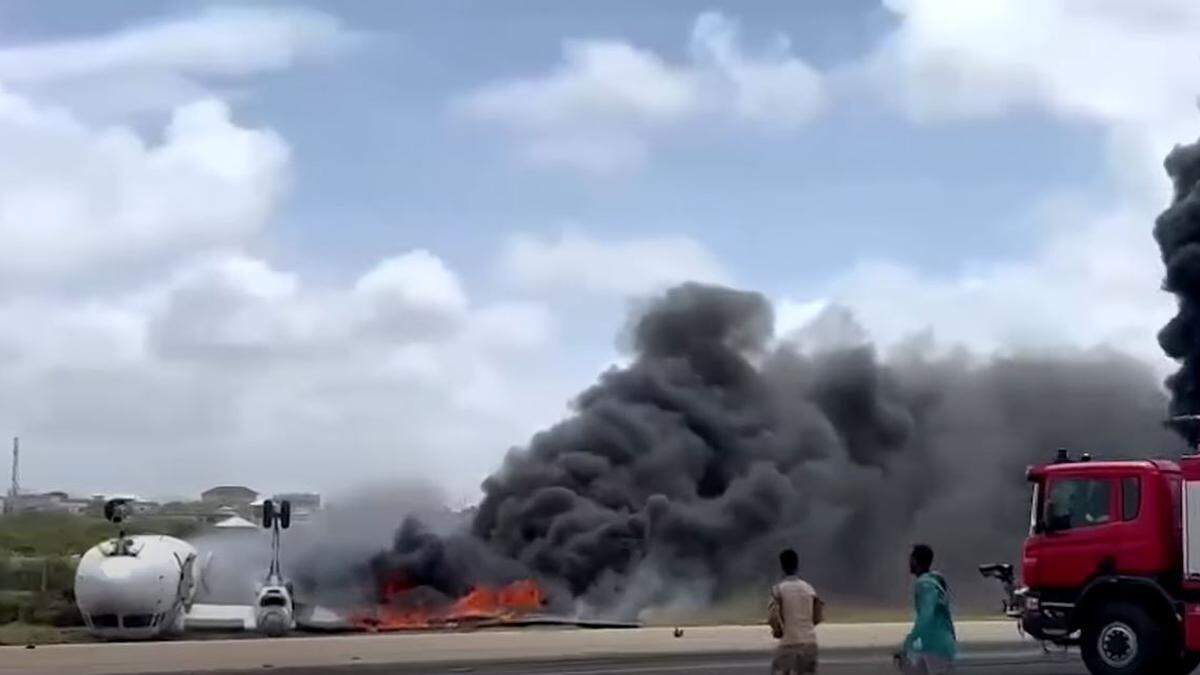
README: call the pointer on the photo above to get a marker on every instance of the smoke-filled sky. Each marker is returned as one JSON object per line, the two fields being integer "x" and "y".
{"x": 680, "y": 475}
{"x": 307, "y": 246}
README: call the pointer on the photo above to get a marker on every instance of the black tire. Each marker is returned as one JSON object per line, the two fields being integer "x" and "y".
{"x": 285, "y": 514}
{"x": 1123, "y": 639}
{"x": 268, "y": 514}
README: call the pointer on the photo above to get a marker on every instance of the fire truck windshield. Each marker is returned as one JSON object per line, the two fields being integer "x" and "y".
{"x": 1078, "y": 502}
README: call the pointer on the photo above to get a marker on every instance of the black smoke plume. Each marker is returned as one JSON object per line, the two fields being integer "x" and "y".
{"x": 678, "y": 477}
{"x": 1177, "y": 232}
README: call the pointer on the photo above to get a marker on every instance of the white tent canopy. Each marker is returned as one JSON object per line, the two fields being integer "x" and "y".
{"x": 237, "y": 522}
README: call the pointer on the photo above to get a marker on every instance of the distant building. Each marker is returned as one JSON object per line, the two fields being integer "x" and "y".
{"x": 142, "y": 508}
{"x": 304, "y": 504}
{"x": 220, "y": 513}
{"x": 58, "y": 501}
{"x": 40, "y": 502}
{"x": 76, "y": 507}
{"x": 236, "y": 522}
{"x": 309, "y": 501}
{"x": 229, "y": 495}
{"x": 199, "y": 511}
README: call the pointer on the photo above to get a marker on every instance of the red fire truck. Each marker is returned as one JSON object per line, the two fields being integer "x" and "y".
{"x": 1112, "y": 563}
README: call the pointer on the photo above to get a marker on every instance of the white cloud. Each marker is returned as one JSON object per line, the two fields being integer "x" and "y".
{"x": 231, "y": 369}
{"x": 42, "y": 334}
{"x": 774, "y": 89}
{"x": 230, "y": 306}
{"x": 161, "y": 65}
{"x": 511, "y": 325}
{"x": 147, "y": 350}
{"x": 592, "y": 111}
{"x": 73, "y": 197}
{"x": 1109, "y": 60}
{"x": 792, "y": 315}
{"x": 1131, "y": 67}
{"x": 598, "y": 81}
{"x": 600, "y": 109}
{"x": 577, "y": 262}
{"x": 1081, "y": 288}
{"x": 228, "y": 41}
{"x": 209, "y": 364}
{"x": 412, "y": 295}
{"x": 1094, "y": 275}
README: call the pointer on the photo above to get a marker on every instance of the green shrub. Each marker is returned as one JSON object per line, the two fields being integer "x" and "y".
{"x": 64, "y": 534}
{"x": 31, "y": 574}
{"x": 55, "y": 534}
{"x": 9, "y": 611}
{"x": 51, "y": 609}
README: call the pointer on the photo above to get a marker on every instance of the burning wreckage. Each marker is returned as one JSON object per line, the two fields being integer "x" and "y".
{"x": 678, "y": 477}
{"x": 394, "y": 592}
{"x": 425, "y": 583}
{"x": 402, "y": 607}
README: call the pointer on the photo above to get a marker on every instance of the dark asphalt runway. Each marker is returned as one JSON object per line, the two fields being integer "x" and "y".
{"x": 1026, "y": 663}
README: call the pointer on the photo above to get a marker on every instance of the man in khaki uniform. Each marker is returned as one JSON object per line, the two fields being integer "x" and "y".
{"x": 793, "y": 614}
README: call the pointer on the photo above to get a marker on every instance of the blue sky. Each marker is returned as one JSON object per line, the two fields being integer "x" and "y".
{"x": 380, "y": 163}
{"x": 509, "y": 177}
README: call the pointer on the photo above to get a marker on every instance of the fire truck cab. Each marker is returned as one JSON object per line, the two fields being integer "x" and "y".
{"x": 1112, "y": 563}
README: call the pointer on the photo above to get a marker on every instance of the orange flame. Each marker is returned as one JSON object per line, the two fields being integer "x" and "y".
{"x": 482, "y": 604}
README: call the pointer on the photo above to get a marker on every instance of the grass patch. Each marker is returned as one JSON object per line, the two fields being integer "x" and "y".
{"x": 37, "y": 565}
{"x": 64, "y": 534}
{"x": 17, "y": 633}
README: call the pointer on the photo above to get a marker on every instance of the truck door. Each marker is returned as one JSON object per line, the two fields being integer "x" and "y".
{"x": 1075, "y": 538}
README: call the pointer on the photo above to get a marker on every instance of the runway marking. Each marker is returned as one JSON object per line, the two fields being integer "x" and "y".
{"x": 990, "y": 660}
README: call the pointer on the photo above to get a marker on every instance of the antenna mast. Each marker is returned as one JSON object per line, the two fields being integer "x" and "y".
{"x": 14, "y": 489}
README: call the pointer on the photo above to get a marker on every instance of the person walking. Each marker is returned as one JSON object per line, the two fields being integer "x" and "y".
{"x": 793, "y": 613}
{"x": 931, "y": 645}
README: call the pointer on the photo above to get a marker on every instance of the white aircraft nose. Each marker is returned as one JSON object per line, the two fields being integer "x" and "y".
{"x": 116, "y": 570}
{"x": 128, "y": 595}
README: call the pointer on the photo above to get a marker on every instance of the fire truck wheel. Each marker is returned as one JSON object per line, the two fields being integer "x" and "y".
{"x": 1187, "y": 663}
{"x": 1123, "y": 640}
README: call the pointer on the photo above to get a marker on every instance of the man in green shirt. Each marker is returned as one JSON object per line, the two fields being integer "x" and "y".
{"x": 931, "y": 646}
